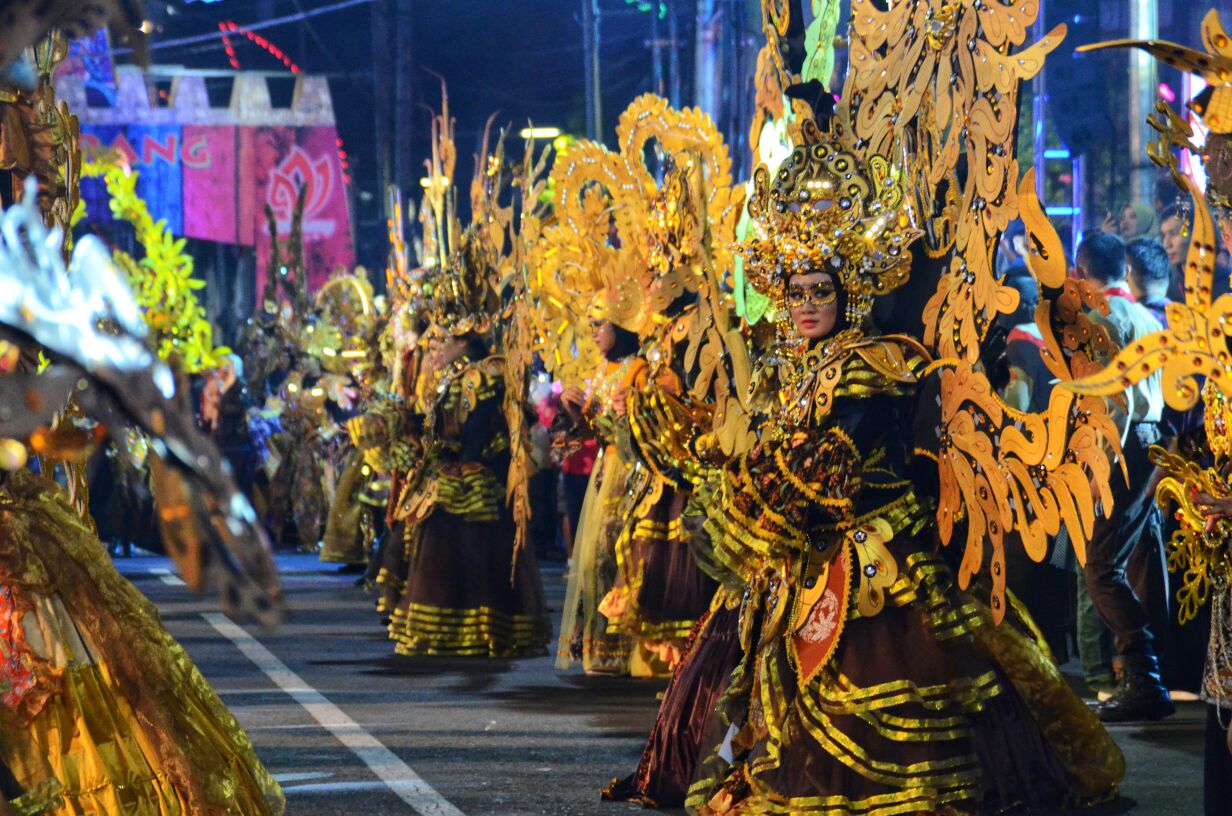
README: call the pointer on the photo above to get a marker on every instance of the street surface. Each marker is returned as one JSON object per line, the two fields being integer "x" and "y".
{"x": 349, "y": 728}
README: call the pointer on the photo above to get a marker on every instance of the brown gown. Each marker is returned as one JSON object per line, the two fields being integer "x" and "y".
{"x": 466, "y": 591}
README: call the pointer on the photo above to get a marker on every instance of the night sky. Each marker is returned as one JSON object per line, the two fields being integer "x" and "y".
{"x": 522, "y": 60}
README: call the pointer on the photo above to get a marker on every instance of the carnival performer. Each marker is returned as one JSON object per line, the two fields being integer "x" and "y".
{"x": 348, "y": 339}
{"x": 584, "y": 633}
{"x": 467, "y": 589}
{"x": 459, "y": 598}
{"x": 869, "y": 683}
{"x": 392, "y": 447}
{"x": 673, "y": 235}
{"x": 224, "y": 414}
{"x": 660, "y": 592}
{"x": 657, "y": 251}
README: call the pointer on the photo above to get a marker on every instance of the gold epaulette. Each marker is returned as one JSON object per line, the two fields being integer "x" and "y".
{"x": 882, "y": 365}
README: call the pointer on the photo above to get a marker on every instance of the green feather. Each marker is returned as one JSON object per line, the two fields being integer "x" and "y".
{"x": 819, "y": 42}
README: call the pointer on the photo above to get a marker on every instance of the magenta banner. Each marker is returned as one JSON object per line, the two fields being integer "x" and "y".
{"x": 277, "y": 162}
{"x": 210, "y": 176}
{"x": 210, "y": 172}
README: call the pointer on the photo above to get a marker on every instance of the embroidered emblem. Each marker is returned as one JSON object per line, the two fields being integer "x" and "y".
{"x": 822, "y": 621}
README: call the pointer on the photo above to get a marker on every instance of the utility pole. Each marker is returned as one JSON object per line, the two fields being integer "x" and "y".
{"x": 707, "y": 62}
{"x": 1143, "y": 80}
{"x": 673, "y": 56}
{"x": 404, "y": 172}
{"x": 591, "y": 39}
{"x": 656, "y": 53}
{"x": 382, "y": 100}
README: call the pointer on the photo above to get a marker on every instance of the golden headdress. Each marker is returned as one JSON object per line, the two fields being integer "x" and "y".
{"x": 340, "y": 339}
{"x": 456, "y": 284}
{"x": 825, "y": 209}
{"x": 617, "y": 230}
{"x": 459, "y": 296}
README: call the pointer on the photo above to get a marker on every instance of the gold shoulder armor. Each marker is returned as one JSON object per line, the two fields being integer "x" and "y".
{"x": 896, "y": 358}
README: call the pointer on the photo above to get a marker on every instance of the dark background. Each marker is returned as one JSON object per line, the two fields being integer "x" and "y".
{"x": 523, "y": 60}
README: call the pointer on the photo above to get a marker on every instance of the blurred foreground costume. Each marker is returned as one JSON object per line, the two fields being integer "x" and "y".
{"x": 101, "y": 711}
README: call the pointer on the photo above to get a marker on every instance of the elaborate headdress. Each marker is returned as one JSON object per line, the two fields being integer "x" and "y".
{"x": 459, "y": 295}
{"x": 456, "y": 284}
{"x": 341, "y": 337}
{"x": 826, "y": 210}
{"x": 617, "y": 229}
{"x": 663, "y": 231}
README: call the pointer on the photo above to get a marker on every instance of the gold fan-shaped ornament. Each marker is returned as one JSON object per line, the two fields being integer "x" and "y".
{"x": 616, "y": 228}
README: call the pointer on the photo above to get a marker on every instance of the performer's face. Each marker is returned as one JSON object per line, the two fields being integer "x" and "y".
{"x": 1173, "y": 241}
{"x": 603, "y": 334}
{"x": 448, "y": 350}
{"x": 812, "y": 302}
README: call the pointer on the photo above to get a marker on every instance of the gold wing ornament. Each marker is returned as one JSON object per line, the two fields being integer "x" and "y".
{"x": 617, "y": 231}
{"x": 931, "y": 83}
{"x": 1195, "y": 344}
{"x": 609, "y": 200}
{"x": 1193, "y": 353}
{"x": 518, "y": 341}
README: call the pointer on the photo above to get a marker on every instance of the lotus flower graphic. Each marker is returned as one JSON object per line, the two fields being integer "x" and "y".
{"x": 296, "y": 170}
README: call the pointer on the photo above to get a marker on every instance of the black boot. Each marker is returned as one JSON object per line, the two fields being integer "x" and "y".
{"x": 1140, "y": 695}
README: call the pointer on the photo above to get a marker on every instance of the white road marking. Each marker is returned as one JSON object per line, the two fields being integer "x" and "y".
{"x": 333, "y": 787}
{"x": 167, "y": 576}
{"x": 387, "y": 766}
{"x": 283, "y": 779}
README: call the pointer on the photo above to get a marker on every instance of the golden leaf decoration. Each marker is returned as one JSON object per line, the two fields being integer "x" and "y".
{"x": 941, "y": 78}
{"x": 1196, "y": 342}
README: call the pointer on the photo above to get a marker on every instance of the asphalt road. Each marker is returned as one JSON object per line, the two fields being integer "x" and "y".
{"x": 349, "y": 728}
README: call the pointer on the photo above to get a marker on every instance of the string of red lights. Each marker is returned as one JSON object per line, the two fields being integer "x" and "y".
{"x": 228, "y": 27}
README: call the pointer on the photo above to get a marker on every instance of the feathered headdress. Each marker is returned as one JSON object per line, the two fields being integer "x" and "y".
{"x": 457, "y": 280}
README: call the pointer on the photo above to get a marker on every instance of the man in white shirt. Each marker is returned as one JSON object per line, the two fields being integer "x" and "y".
{"x": 1134, "y": 520}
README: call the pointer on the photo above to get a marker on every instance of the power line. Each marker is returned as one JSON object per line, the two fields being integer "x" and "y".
{"x": 276, "y": 21}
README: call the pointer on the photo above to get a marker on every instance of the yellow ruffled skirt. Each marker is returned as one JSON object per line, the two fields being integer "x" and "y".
{"x": 101, "y": 711}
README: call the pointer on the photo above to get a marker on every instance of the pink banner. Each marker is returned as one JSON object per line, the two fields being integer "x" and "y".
{"x": 208, "y": 158}
{"x": 278, "y": 161}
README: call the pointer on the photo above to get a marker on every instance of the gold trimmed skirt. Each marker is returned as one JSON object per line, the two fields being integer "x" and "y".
{"x": 458, "y": 597}
{"x": 926, "y": 707}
